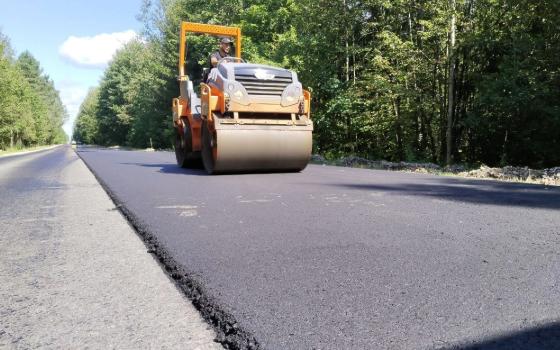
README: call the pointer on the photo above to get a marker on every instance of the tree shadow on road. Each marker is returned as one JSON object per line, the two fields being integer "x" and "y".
{"x": 545, "y": 337}
{"x": 171, "y": 168}
{"x": 481, "y": 192}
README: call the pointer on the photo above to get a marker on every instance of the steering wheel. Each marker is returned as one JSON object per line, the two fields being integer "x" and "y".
{"x": 230, "y": 59}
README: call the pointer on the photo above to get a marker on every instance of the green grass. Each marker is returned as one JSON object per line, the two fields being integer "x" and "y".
{"x": 21, "y": 149}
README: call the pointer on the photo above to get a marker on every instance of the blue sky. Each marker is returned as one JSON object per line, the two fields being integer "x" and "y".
{"x": 72, "y": 39}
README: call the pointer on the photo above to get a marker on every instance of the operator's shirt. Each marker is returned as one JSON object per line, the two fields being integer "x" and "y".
{"x": 218, "y": 55}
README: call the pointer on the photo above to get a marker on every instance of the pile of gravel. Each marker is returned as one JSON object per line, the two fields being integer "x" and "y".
{"x": 353, "y": 161}
{"x": 549, "y": 176}
{"x": 553, "y": 173}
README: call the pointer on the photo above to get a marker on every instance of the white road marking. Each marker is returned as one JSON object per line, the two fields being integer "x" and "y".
{"x": 255, "y": 201}
{"x": 177, "y": 207}
{"x": 188, "y": 213}
{"x": 374, "y": 204}
{"x": 37, "y": 219}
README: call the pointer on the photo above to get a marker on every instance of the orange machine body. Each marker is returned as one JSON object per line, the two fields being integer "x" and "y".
{"x": 260, "y": 117}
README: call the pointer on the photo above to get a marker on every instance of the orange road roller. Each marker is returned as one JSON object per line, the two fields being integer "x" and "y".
{"x": 246, "y": 117}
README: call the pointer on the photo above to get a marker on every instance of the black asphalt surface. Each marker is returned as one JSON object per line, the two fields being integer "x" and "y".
{"x": 21, "y": 174}
{"x": 340, "y": 258}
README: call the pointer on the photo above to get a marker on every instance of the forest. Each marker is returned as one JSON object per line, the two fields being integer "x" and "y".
{"x": 31, "y": 112}
{"x": 443, "y": 81}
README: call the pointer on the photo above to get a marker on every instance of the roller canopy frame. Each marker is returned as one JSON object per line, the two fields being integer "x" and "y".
{"x": 199, "y": 28}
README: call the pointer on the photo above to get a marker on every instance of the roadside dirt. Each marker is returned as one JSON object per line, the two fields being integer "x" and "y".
{"x": 549, "y": 177}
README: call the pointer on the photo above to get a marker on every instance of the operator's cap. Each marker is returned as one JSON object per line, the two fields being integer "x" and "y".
{"x": 225, "y": 40}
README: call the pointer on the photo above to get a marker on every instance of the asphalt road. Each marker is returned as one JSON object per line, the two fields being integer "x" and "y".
{"x": 340, "y": 258}
{"x": 74, "y": 274}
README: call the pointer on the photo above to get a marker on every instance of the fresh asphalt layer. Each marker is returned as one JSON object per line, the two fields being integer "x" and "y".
{"x": 341, "y": 258}
{"x": 74, "y": 274}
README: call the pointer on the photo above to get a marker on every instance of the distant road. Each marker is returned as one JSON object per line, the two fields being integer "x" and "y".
{"x": 340, "y": 258}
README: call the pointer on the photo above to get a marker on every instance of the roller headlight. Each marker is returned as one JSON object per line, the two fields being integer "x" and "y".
{"x": 236, "y": 91}
{"x": 291, "y": 95}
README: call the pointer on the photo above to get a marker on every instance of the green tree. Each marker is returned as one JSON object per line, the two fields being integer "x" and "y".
{"x": 31, "y": 112}
{"x": 443, "y": 80}
{"x": 86, "y": 127}
{"x": 17, "y": 101}
{"x": 117, "y": 94}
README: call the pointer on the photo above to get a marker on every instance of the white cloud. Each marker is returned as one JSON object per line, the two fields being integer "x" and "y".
{"x": 94, "y": 51}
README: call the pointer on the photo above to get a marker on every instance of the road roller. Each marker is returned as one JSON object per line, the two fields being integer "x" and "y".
{"x": 243, "y": 117}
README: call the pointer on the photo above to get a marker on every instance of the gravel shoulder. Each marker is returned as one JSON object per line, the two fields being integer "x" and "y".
{"x": 548, "y": 177}
{"x": 74, "y": 273}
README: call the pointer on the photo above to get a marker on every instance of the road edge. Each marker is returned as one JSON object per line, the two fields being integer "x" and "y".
{"x": 229, "y": 334}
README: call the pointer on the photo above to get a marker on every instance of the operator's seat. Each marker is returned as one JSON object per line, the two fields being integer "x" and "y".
{"x": 194, "y": 100}
{"x": 205, "y": 73}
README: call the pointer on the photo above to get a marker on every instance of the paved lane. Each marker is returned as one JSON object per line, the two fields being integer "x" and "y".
{"x": 339, "y": 258}
{"x": 73, "y": 274}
